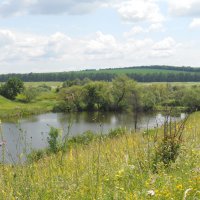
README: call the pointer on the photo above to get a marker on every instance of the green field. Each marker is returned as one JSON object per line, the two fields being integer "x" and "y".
{"x": 185, "y": 84}
{"x": 36, "y": 84}
{"x": 16, "y": 109}
{"x": 110, "y": 168}
{"x": 135, "y": 71}
{"x": 141, "y": 74}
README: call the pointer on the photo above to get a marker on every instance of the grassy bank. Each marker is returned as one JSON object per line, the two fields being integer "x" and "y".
{"x": 16, "y": 109}
{"x": 110, "y": 168}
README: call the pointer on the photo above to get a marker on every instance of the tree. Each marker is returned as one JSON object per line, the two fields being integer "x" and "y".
{"x": 123, "y": 90}
{"x": 12, "y": 88}
{"x": 71, "y": 99}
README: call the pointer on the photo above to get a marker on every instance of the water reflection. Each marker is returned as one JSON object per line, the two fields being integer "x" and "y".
{"x": 32, "y": 132}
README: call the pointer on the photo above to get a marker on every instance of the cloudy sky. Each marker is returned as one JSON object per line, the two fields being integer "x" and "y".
{"x": 64, "y": 35}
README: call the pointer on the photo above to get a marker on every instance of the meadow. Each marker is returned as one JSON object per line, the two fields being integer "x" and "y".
{"x": 116, "y": 167}
{"x": 121, "y": 165}
{"x": 17, "y": 109}
{"x": 140, "y": 71}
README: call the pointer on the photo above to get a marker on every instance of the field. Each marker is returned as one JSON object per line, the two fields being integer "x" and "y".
{"x": 184, "y": 84}
{"x": 141, "y": 74}
{"x": 36, "y": 84}
{"x": 110, "y": 168}
{"x": 16, "y": 109}
{"x": 134, "y": 70}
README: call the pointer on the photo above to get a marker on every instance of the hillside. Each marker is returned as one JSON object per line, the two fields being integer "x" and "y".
{"x": 140, "y": 74}
{"x": 119, "y": 167}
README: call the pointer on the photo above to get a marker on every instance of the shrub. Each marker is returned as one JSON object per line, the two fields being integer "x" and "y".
{"x": 12, "y": 88}
{"x": 168, "y": 150}
{"x": 35, "y": 155}
{"x": 54, "y": 140}
{"x": 116, "y": 132}
{"x": 84, "y": 138}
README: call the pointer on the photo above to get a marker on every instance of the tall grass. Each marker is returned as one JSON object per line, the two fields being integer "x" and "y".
{"x": 110, "y": 168}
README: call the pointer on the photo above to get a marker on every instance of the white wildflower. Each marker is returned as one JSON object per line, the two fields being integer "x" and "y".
{"x": 151, "y": 192}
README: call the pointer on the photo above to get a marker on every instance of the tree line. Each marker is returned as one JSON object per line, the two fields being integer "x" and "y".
{"x": 175, "y": 74}
{"x": 123, "y": 93}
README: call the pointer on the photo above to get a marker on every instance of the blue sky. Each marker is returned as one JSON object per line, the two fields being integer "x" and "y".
{"x": 65, "y": 35}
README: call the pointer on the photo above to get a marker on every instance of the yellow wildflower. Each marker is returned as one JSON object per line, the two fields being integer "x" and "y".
{"x": 179, "y": 187}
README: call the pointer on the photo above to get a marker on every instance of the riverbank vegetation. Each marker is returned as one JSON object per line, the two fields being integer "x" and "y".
{"x": 162, "y": 163}
{"x": 121, "y": 94}
{"x": 120, "y": 166}
{"x": 125, "y": 94}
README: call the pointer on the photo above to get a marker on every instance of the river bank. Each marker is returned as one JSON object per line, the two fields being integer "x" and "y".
{"x": 110, "y": 168}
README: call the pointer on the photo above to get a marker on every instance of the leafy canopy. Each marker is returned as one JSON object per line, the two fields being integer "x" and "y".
{"x": 12, "y": 88}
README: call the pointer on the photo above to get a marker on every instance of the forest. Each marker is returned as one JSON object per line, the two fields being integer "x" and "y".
{"x": 140, "y": 74}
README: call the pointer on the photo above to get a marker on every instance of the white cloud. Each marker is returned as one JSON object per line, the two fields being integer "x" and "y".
{"x": 138, "y": 30}
{"x": 139, "y": 10}
{"x": 135, "y": 31}
{"x": 100, "y": 45}
{"x": 184, "y": 7}
{"x": 22, "y": 7}
{"x": 195, "y": 23}
{"x": 165, "y": 48}
{"x": 6, "y": 38}
{"x": 129, "y": 10}
{"x": 156, "y": 27}
{"x": 59, "y": 52}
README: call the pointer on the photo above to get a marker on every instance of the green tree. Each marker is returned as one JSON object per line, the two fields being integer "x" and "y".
{"x": 12, "y": 88}
{"x": 71, "y": 99}
{"x": 91, "y": 96}
{"x": 123, "y": 90}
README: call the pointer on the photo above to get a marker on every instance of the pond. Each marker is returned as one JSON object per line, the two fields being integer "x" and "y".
{"x": 32, "y": 132}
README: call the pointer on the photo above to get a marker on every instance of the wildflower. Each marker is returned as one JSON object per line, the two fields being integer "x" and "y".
{"x": 179, "y": 187}
{"x": 151, "y": 192}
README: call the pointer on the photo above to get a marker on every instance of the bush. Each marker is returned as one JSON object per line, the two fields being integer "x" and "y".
{"x": 35, "y": 155}
{"x": 84, "y": 138}
{"x": 168, "y": 150}
{"x": 12, "y": 88}
{"x": 54, "y": 140}
{"x": 30, "y": 94}
{"x": 116, "y": 132}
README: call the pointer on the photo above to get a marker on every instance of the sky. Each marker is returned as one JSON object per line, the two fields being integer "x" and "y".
{"x": 68, "y": 35}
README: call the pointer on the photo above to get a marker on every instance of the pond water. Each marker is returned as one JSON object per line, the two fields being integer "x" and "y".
{"x": 32, "y": 132}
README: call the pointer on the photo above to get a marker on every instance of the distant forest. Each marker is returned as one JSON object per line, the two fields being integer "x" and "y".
{"x": 140, "y": 74}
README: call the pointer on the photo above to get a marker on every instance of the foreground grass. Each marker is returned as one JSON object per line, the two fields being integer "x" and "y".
{"x": 109, "y": 168}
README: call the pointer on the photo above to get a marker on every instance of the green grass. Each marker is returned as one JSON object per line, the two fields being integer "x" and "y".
{"x": 141, "y": 71}
{"x": 15, "y": 109}
{"x": 36, "y": 84}
{"x": 186, "y": 84}
{"x": 110, "y": 168}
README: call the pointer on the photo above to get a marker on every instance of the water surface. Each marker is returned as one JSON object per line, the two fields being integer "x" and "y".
{"x": 32, "y": 132}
